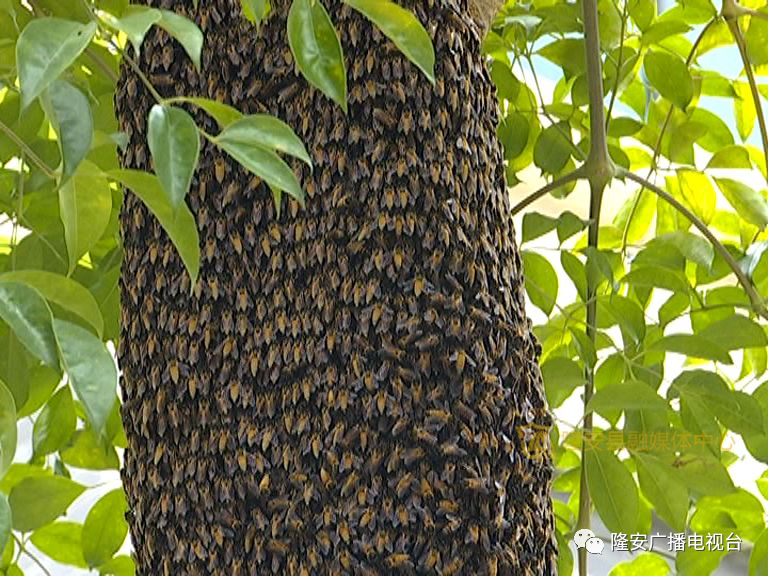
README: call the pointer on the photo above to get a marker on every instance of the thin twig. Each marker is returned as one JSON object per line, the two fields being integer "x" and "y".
{"x": 27, "y": 150}
{"x": 577, "y": 174}
{"x": 34, "y": 558}
{"x": 657, "y": 148}
{"x": 733, "y": 25}
{"x": 137, "y": 69}
{"x": 619, "y": 65}
{"x": 758, "y": 304}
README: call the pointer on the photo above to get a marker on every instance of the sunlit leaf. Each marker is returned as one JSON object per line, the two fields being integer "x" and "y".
{"x": 62, "y": 542}
{"x": 105, "y": 528}
{"x": 39, "y": 500}
{"x": 670, "y": 76}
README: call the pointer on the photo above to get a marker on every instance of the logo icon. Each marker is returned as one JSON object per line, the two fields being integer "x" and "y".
{"x": 585, "y": 538}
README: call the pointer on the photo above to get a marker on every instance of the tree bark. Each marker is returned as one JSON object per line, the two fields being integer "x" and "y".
{"x": 351, "y": 387}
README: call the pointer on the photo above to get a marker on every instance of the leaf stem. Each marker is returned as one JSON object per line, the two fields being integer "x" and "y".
{"x": 619, "y": 65}
{"x": 659, "y": 140}
{"x": 577, "y": 174}
{"x": 733, "y": 25}
{"x": 34, "y": 558}
{"x": 754, "y": 297}
{"x": 137, "y": 69}
{"x": 27, "y": 150}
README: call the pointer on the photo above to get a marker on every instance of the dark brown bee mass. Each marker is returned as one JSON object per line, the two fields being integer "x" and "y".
{"x": 342, "y": 391}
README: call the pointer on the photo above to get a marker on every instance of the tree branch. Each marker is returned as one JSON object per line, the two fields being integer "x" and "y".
{"x": 754, "y": 297}
{"x": 577, "y": 174}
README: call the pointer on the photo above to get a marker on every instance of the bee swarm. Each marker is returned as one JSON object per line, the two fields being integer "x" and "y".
{"x": 341, "y": 392}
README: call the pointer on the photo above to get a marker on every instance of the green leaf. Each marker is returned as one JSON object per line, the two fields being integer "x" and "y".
{"x": 568, "y": 53}
{"x": 55, "y": 424}
{"x": 662, "y": 29}
{"x": 267, "y": 132}
{"x": 735, "y": 332}
{"x": 315, "y": 45}
{"x": 694, "y": 248}
{"x": 39, "y": 500}
{"x": 224, "y": 114}
{"x": 630, "y": 395}
{"x": 758, "y": 560}
{"x": 708, "y": 391}
{"x": 736, "y": 157}
{"x": 89, "y": 452}
{"x": 690, "y": 562}
{"x": 739, "y": 512}
{"x": 576, "y": 271}
{"x": 60, "y": 290}
{"x": 175, "y": 147}
{"x": 185, "y": 32}
{"x": 266, "y": 165}
{"x": 561, "y": 377}
{"x": 105, "y": 528}
{"x": 749, "y": 204}
{"x": 180, "y": 225}
{"x": 613, "y": 490}
{"x": 28, "y": 315}
{"x": 670, "y": 76}
{"x": 5, "y": 520}
{"x": 744, "y": 109}
{"x": 644, "y": 564}
{"x": 694, "y": 346}
{"x": 698, "y": 192}
{"x": 91, "y": 370}
{"x": 62, "y": 542}
{"x": 656, "y": 277}
{"x": 85, "y": 205}
{"x": 70, "y": 115}
{"x": 45, "y": 48}
{"x": 540, "y": 281}
{"x": 255, "y": 11}
{"x": 118, "y": 566}
{"x": 553, "y": 148}
{"x": 8, "y": 433}
{"x": 757, "y": 39}
{"x": 664, "y": 490}
{"x": 535, "y": 225}
{"x": 402, "y": 27}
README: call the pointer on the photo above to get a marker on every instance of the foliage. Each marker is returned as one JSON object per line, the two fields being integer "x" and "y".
{"x": 678, "y": 274}
{"x": 681, "y": 270}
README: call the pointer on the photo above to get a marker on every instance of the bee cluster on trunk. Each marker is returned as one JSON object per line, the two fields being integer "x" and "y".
{"x": 343, "y": 390}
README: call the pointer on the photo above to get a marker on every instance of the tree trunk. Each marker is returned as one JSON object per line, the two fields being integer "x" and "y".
{"x": 350, "y": 387}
